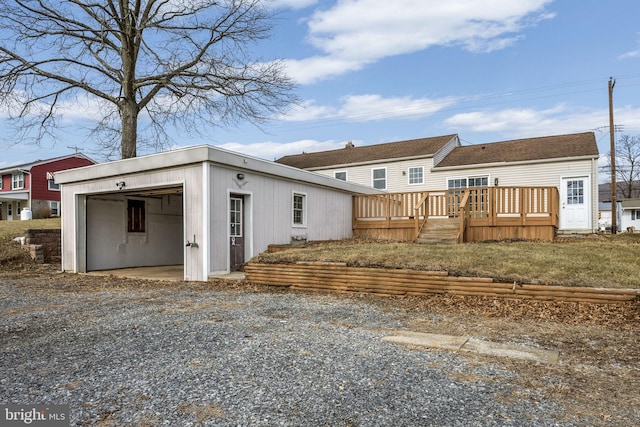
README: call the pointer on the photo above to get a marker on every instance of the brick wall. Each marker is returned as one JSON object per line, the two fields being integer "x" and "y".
{"x": 50, "y": 242}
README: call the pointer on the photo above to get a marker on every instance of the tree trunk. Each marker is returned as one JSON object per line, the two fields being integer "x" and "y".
{"x": 129, "y": 114}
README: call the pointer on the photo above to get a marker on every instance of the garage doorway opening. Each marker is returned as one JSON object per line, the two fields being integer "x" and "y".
{"x": 141, "y": 228}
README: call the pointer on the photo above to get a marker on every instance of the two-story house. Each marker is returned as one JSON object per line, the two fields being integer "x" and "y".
{"x": 32, "y": 186}
{"x": 567, "y": 162}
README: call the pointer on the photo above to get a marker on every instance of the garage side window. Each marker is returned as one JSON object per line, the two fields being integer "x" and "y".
{"x": 135, "y": 216}
{"x": 299, "y": 209}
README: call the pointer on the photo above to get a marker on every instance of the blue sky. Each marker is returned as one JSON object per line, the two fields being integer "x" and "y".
{"x": 375, "y": 71}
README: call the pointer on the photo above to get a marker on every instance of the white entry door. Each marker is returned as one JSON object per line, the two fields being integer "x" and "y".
{"x": 575, "y": 204}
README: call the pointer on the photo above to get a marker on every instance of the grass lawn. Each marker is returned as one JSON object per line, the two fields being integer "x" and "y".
{"x": 11, "y": 229}
{"x": 594, "y": 261}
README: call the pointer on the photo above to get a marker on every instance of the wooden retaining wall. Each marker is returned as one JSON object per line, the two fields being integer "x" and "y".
{"x": 338, "y": 277}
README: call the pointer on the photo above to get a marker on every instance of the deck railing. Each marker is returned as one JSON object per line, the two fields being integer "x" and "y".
{"x": 475, "y": 207}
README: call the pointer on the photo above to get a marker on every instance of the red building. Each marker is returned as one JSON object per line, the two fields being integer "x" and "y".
{"x": 32, "y": 186}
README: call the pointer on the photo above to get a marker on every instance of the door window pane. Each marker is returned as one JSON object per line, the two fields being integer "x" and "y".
{"x": 575, "y": 192}
{"x": 235, "y": 218}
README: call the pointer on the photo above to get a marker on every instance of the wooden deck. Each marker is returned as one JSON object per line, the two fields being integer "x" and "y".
{"x": 483, "y": 213}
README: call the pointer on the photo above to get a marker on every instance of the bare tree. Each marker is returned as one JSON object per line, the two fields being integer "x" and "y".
{"x": 627, "y": 166}
{"x": 147, "y": 63}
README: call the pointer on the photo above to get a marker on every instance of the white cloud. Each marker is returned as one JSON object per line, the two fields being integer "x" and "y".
{"x": 528, "y": 122}
{"x": 269, "y": 150}
{"x": 368, "y": 107}
{"x": 354, "y": 33}
{"x": 630, "y": 54}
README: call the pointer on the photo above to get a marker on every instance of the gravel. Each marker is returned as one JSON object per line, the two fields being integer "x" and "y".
{"x": 135, "y": 353}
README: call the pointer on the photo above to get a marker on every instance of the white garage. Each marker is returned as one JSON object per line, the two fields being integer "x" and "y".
{"x": 205, "y": 208}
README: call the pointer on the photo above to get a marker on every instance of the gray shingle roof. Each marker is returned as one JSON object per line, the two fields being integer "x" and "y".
{"x": 547, "y": 147}
{"x": 367, "y": 153}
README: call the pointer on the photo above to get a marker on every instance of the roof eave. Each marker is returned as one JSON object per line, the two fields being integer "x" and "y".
{"x": 201, "y": 154}
{"x": 516, "y": 163}
{"x": 371, "y": 162}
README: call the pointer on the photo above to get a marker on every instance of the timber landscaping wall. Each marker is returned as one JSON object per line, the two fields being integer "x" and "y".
{"x": 340, "y": 278}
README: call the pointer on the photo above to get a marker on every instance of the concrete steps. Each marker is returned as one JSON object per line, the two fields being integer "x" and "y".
{"x": 444, "y": 230}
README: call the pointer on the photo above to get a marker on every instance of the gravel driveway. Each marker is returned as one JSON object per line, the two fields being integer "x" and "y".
{"x": 134, "y": 353}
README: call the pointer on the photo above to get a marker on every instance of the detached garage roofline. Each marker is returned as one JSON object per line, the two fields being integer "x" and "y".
{"x": 204, "y": 153}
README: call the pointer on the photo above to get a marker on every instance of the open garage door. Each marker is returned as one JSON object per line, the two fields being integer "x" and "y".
{"x": 140, "y": 228}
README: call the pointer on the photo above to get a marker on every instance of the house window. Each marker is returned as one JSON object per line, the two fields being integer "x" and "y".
{"x": 481, "y": 181}
{"x": 575, "y": 192}
{"x": 53, "y": 186}
{"x": 1, "y": 181}
{"x": 635, "y": 214}
{"x": 19, "y": 208}
{"x": 54, "y": 207}
{"x": 299, "y": 201}
{"x": 17, "y": 180}
{"x": 416, "y": 175}
{"x": 135, "y": 216}
{"x": 456, "y": 183}
{"x": 379, "y": 178}
{"x": 342, "y": 175}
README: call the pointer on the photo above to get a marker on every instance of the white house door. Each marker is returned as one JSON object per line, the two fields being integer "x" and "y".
{"x": 575, "y": 204}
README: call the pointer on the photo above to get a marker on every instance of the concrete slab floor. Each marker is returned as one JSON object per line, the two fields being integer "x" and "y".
{"x": 161, "y": 272}
{"x": 454, "y": 343}
{"x": 157, "y": 272}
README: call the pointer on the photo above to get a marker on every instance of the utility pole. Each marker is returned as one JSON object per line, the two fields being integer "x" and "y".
{"x": 612, "y": 156}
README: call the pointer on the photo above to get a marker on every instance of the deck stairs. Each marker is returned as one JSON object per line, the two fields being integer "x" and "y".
{"x": 445, "y": 230}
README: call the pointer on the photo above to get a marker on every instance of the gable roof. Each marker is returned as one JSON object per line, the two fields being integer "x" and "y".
{"x": 26, "y": 167}
{"x": 423, "y": 147}
{"x": 541, "y": 148}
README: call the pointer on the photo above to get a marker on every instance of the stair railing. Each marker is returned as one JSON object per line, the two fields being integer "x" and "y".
{"x": 464, "y": 214}
{"x": 422, "y": 204}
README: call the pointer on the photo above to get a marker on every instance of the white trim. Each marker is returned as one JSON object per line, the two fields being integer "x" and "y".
{"x": 247, "y": 227}
{"x": 515, "y": 163}
{"x": 409, "y": 175}
{"x": 588, "y": 202}
{"x": 345, "y": 172}
{"x": 51, "y": 181}
{"x": 51, "y": 203}
{"x": 304, "y": 209}
{"x": 206, "y": 221}
{"x": 386, "y": 178}
{"x": 13, "y": 181}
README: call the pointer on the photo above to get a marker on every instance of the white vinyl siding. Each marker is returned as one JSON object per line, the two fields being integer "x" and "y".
{"x": 397, "y": 179}
{"x": 549, "y": 174}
